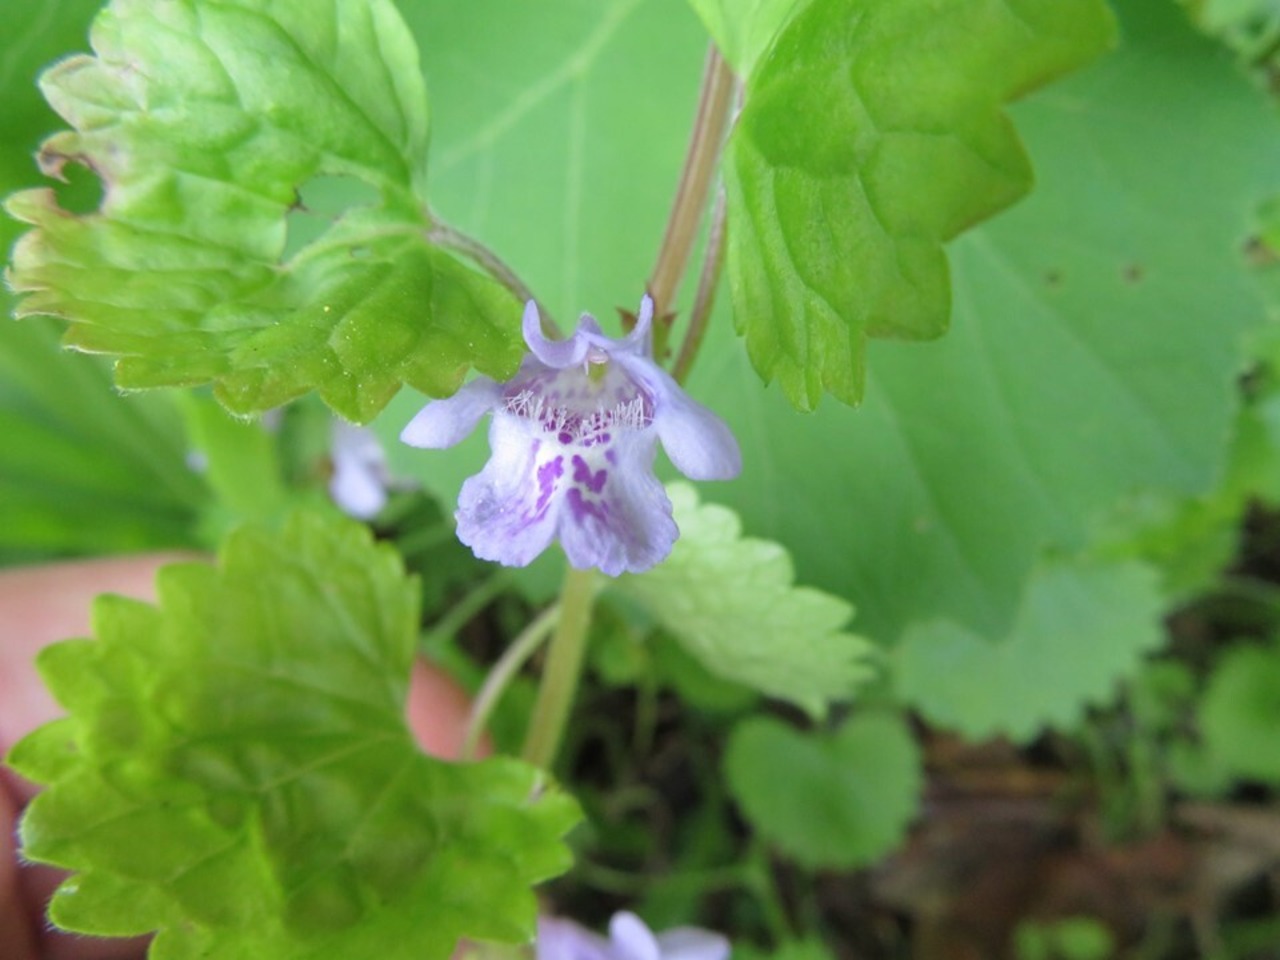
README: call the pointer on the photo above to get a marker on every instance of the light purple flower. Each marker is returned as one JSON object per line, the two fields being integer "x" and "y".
{"x": 360, "y": 477}
{"x": 629, "y": 939}
{"x": 573, "y": 440}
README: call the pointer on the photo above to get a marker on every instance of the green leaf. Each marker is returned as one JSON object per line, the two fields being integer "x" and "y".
{"x": 1095, "y": 355}
{"x": 534, "y": 158}
{"x": 732, "y": 603}
{"x": 1095, "y": 349}
{"x": 625, "y": 656}
{"x": 83, "y": 470}
{"x": 827, "y": 800}
{"x": 871, "y": 135}
{"x": 236, "y": 771}
{"x": 743, "y": 29}
{"x": 1080, "y": 629}
{"x": 1239, "y": 715}
{"x": 1193, "y": 539}
{"x": 207, "y": 122}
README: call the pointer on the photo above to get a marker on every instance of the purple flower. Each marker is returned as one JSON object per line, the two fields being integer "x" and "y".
{"x": 573, "y": 441}
{"x": 629, "y": 939}
{"x": 360, "y": 477}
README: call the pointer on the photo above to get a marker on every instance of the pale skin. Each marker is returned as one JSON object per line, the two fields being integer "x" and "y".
{"x": 41, "y": 605}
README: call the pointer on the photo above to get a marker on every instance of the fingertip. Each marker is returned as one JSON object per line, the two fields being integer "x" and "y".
{"x": 437, "y": 712}
{"x": 43, "y": 604}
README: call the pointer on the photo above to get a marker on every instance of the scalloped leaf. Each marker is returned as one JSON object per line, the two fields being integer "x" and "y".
{"x": 1239, "y": 714}
{"x": 841, "y": 799}
{"x": 1080, "y": 630}
{"x": 207, "y": 123}
{"x": 82, "y": 469}
{"x": 872, "y": 134}
{"x": 732, "y": 603}
{"x": 236, "y": 771}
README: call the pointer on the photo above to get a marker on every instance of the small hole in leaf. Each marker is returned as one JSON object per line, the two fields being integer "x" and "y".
{"x": 82, "y": 192}
{"x": 320, "y": 202}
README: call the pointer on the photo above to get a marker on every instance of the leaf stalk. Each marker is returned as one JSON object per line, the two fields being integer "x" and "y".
{"x": 568, "y": 645}
{"x": 500, "y": 677}
{"x": 443, "y": 235}
{"x": 705, "y": 297}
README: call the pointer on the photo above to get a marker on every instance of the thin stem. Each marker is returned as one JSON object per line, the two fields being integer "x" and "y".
{"x": 714, "y": 103}
{"x": 705, "y": 298}
{"x": 500, "y": 677}
{"x": 420, "y": 541}
{"x": 445, "y": 235}
{"x": 646, "y": 722}
{"x": 764, "y": 884}
{"x": 466, "y": 609}
{"x": 563, "y": 669}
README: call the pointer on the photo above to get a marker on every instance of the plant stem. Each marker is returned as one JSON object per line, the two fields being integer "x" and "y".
{"x": 499, "y": 678}
{"x": 714, "y": 103}
{"x": 466, "y": 609}
{"x": 444, "y": 235}
{"x": 568, "y": 645}
{"x": 426, "y": 538}
{"x": 562, "y": 670}
{"x": 705, "y": 298}
{"x": 764, "y": 884}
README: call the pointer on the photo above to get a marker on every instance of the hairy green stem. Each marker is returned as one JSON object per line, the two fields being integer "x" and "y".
{"x": 466, "y": 609}
{"x": 444, "y": 235}
{"x": 500, "y": 677}
{"x": 563, "y": 669}
{"x": 714, "y": 103}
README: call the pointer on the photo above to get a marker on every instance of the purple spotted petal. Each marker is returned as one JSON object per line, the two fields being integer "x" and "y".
{"x": 699, "y": 443}
{"x": 603, "y": 502}
{"x": 509, "y": 510}
{"x": 442, "y": 423}
{"x": 616, "y": 513}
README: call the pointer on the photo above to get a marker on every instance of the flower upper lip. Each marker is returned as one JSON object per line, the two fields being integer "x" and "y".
{"x": 588, "y": 342}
